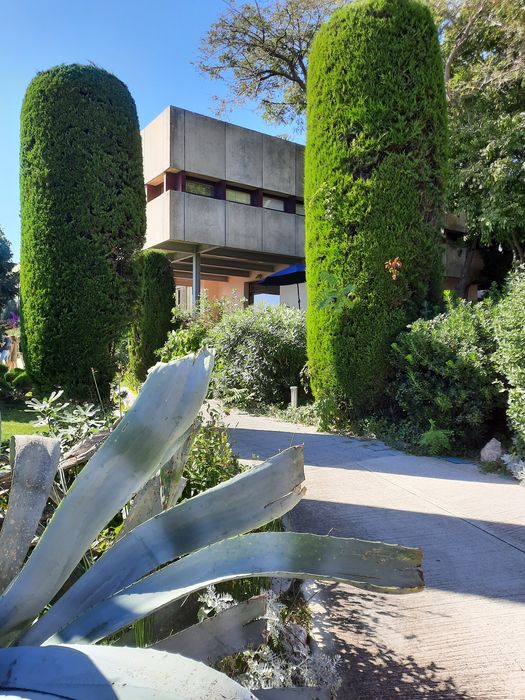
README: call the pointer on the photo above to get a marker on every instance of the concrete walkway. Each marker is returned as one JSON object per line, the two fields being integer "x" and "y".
{"x": 464, "y": 636}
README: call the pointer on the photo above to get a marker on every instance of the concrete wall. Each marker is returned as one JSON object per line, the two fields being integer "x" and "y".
{"x": 180, "y": 216}
{"x": 182, "y": 140}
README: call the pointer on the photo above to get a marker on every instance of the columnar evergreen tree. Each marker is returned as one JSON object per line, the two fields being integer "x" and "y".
{"x": 375, "y": 170}
{"x": 152, "y": 320}
{"x": 83, "y": 217}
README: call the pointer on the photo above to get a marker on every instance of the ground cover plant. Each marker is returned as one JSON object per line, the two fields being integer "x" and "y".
{"x": 83, "y": 217}
{"x": 376, "y": 151}
{"x": 145, "y": 569}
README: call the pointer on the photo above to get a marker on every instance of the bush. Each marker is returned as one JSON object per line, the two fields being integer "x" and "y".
{"x": 375, "y": 170}
{"x": 191, "y": 331}
{"x": 510, "y": 354}
{"x": 261, "y": 351}
{"x": 211, "y": 459}
{"x": 22, "y": 381}
{"x": 152, "y": 321}
{"x": 444, "y": 374}
{"x": 83, "y": 217}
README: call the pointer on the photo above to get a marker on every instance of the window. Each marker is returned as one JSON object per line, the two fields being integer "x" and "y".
{"x": 273, "y": 203}
{"x": 204, "y": 189}
{"x": 240, "y": 196}
{"x": 299, "y": 208}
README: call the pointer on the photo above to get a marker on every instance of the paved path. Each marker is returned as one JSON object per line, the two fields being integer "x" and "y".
{"x": 464, "y": 636}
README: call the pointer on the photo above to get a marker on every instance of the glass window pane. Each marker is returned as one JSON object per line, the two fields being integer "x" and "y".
{"x": 205, "y": 189}
{"x": 238, "y": 196}
{"x": 299, "y": 208}
{"x": 273, "y": 203}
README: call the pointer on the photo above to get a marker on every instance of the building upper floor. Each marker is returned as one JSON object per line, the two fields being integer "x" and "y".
{"x": 213, "y": 183}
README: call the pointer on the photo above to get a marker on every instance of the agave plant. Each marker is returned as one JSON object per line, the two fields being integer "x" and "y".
{"x": 50, "y": 628}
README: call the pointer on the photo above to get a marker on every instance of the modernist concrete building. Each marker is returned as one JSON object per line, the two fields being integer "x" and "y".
{"x": 224, "y": 202}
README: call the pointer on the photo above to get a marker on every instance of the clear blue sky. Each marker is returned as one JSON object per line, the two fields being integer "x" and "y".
{"x": 148, "y": 45}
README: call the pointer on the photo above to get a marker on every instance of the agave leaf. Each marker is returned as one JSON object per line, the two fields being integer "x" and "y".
{"x": 143, "y": 441}
{"x": 233, "y": 630}
{"x": 371, "y": 566}
{"x": 238, "y": 505}
{"x": 108, "y": 673}
{"x": 35, "y": 463}
{"x": 293, "y": 694}
{"x": 150, "y": 500}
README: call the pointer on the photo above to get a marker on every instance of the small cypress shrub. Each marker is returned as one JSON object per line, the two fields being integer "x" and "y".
{"x": 152, "y": 321}
{"x": 375, "y": 168}
{"x": 83, "y": 218}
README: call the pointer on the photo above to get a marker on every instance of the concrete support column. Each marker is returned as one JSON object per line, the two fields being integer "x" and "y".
{"x": 196, "y": 278}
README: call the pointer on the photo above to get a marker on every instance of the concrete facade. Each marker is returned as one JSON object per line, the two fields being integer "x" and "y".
{"x": 178, "y": 141}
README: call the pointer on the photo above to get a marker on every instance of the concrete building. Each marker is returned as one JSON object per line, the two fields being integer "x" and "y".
{"x": 224, "y": 202}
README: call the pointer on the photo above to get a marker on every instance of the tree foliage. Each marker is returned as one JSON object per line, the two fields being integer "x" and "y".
{"x": 483, "y": 43}
{"x": 152, "y": 319}
{"x": 261, "y": 49}
{"x": 8, "y": 278}
{"x": 83, "y": 217}
{"x": 375, "y": 170}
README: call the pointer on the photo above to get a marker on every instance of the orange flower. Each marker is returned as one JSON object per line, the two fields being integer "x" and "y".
{"x": 394, "y": 266}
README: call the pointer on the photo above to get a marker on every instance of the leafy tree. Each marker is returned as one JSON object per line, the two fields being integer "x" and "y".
{"x": 83, "y": 218}
{"x": 152, "y": 321}
{"x": 8, "y": 278}
{"x": 375, "y": 171}
{"x": 261, "y": 50}
{"x": 483, "y": 44}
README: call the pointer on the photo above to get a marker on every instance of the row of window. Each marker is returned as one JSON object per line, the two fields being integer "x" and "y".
{"x": 207, "y": 189}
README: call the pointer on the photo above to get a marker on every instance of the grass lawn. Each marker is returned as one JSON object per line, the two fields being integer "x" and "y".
{"x": 16, "y": 421}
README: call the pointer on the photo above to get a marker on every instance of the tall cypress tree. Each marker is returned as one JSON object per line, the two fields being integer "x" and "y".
{"x": 375, "y": 171}
{"x": 152, "y": 320}
{"x": 83, "y": 217}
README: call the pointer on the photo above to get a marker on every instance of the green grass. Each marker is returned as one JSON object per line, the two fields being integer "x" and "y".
{"x": 17, "y": 421}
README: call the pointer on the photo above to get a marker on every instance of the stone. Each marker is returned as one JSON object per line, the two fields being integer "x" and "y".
{"x": 295, "y": 641}
{"x": 492, "y": 451}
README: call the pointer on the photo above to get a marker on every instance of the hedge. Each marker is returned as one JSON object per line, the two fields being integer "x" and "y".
{"x": 83, "y": 218}
{"x": 376, "y": 152}
{"x": 152, "y": 320}
{"x": 509, "y": 331}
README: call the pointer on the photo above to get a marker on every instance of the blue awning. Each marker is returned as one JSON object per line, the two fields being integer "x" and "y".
{"x": 293, "y": 274}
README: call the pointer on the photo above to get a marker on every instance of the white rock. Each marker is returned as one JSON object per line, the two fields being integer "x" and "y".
{"x": 492, "y": 451}
{"x": 515, "y": 465}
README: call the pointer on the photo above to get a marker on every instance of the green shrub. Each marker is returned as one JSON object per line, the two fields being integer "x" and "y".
{"x": 261, "y": 351}
{"x": 22, "y": 381}
{"x": 436, "y": 441}
{"x": 444, "y": 374}
{"x": 509, "y": 326}
{"x": 211, "y": 459}
{"x": 375, "y": 168}
{"x": 191, "y": 330}
{"x": 4, "y": 369}
{"x": 152, "y": 320}
{"x": 83, "y": 217}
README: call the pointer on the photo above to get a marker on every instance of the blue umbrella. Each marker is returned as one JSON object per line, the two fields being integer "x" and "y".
{"x": 293, "y": 274}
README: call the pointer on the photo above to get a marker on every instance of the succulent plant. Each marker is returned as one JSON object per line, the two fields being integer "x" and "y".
{"x": 162, "y": 558}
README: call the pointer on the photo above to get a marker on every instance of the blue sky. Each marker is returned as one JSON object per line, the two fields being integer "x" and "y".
{"x": 148, "y": 45}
